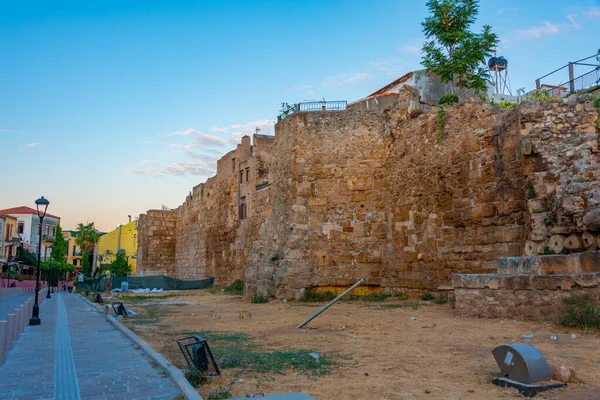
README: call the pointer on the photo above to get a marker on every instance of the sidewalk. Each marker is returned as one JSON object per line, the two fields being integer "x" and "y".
{"x": 76, "y": 354}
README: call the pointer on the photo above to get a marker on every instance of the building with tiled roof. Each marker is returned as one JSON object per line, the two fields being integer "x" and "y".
{"x": 28, "y": 229}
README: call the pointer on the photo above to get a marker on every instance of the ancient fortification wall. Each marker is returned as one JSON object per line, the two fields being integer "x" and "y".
{"x": 399, "y": 197}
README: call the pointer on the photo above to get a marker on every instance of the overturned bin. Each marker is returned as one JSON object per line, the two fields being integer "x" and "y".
{"x": 523, "y": 367}
{"x": 197, "y": 353}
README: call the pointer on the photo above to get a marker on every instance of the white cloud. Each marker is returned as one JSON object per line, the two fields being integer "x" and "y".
{"x": 32, "y": 144}
{"x": 392, "y": 66}
{"x": 537, "y": 32}
{"x": 186, "y": 132}
{"x": 220, "y": 130}
{"x": 413, "y": 47}
{"x": 341, "y": 80}
{"x": 175, "y": 169}
{"x": 4, "y": 130}
{"x": 574, "y": 23}
{"x": 507, "y": 10}
{"x": 547, "y": 28}
{"x": 593, "y": 13}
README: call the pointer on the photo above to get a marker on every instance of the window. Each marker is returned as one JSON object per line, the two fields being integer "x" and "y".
{"x": 233, "y": 165}
{"x": 39, "y": 229}
{"x": 241, "y": 176}
{"x": 243, "y": 209}
{"x": 20, "y": 227}
{"x": 247, "y": 174}
{"x": 47, "y": 229}
{"x": 53, "y": 230}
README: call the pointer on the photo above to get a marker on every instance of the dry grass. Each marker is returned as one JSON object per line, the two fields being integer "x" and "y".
{"x": 438, "y": 355}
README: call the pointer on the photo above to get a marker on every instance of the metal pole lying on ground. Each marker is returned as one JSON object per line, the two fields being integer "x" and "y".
{"x": 326, "y": 306}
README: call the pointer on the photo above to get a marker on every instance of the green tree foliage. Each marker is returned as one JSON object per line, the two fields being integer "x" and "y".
{"x": 120, "y": 267}
{"x": 454, "y": 53}
{"x": 86, "y": 237}
{"x": 26, "y": 257}
{"x": 85, "y": 264}
{"x": 59, "y": 247}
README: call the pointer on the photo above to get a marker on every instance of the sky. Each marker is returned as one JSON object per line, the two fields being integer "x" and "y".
{"x": 110, "y": 108}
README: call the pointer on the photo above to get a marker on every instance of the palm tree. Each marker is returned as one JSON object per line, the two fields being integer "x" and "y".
{"x": 86, "y": 237}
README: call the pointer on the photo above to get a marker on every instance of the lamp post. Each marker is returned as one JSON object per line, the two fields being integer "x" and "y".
{"x": 41, "y": 205}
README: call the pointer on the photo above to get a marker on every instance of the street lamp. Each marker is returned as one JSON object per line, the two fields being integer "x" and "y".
{"x": 41, "y": 205}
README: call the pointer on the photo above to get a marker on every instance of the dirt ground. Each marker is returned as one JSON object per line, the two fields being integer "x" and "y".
{"x": 386, "y": 354}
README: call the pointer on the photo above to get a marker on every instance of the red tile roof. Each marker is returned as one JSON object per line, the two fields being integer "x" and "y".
{"x": 23, "y": 210}
{"x": 391, "y": 84}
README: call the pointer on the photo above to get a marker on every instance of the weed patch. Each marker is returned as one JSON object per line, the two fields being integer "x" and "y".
{"x": 427, "y": 296}
{"x": 225, "y": 394}
{"x": 137, "y": 299}
{"x": 581, "y": 311}
{"x": 236, "y": 288}
{"x": 442, "y": 298}
{"x": 196, "y": 378}
{"x": 258, "y": 298}
{"x": 235, "y": 350}
{"x": 313, "y": 295}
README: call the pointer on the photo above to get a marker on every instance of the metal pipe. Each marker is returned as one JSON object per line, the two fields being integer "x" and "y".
{"x": 571, "y": 77}
{"x": 332, "y": 302}
{"x": 119, "y": 240}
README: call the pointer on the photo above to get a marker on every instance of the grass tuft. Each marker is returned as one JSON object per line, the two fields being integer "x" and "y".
{"x": 427, "y": 296}
{"x": 196, "y": 378}
{"x": 258, "y": 298}
{"x": 313, "y": 295}
{"x": 236, "y": 288}
{"x": 581, "y": 311}
{"x": 236, "y": 350}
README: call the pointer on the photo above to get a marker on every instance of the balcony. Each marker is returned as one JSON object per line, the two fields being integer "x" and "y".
{"x": 48, "y": 237}
{"x": 13, "y": 240}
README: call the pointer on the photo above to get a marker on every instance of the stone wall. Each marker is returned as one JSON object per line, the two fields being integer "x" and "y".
{"x": 560, "y": 144}
{"x": 156, "y": 242}
{"x": 529, "y": 287}
{"x": 399, "y": 197}
{"x": 210, "y": 236}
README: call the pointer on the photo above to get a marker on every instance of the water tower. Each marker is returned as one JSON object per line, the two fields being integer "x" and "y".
{"x": 500, "y": 79}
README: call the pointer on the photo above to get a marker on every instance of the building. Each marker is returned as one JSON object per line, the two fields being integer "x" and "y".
{"x": 122, "y": 240}
{"x": 29, "y": 229}
{"x": 73, "y": 252}
{"x": 9, "y": 240}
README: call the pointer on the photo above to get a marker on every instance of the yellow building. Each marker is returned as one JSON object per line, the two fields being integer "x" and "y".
{"x": 123, "y": 240}
{"x": 73, "y": 252}
{"x": 9, "y": 239}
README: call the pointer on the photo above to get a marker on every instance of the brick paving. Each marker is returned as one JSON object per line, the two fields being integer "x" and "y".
{"x": 93, "y": 359}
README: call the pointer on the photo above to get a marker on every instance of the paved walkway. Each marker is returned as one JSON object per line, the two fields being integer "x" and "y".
{"x": 76, "y": 354}
{"x": 9, "y": 303}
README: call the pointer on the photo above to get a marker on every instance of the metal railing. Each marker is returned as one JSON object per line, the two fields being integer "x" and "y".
{"x": 322, "y": 106}
{"x": 313, "y": 106}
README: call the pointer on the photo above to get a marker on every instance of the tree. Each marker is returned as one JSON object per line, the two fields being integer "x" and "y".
{"x": 454, "y": 53}
{"x": 86, "y": 237}
{"x": 26, "y": 257}
{"x": 59, "y": 247}
{"x": 120, "y": 267}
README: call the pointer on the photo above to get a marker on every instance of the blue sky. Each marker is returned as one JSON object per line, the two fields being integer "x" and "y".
{"x": 110, "y": 108}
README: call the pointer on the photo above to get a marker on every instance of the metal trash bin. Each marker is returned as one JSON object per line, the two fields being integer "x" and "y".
{"x": 197, "y": 353}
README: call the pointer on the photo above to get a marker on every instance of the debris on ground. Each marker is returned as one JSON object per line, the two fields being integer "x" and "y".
{"x": 554, "y": 337}
{"x": 528, "y": 336}
{"x": 560, "y": 372}
{"x": 314, "y": 355}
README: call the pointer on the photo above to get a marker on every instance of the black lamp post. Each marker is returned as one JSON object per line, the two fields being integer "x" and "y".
{"x": 41, "y": 205}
